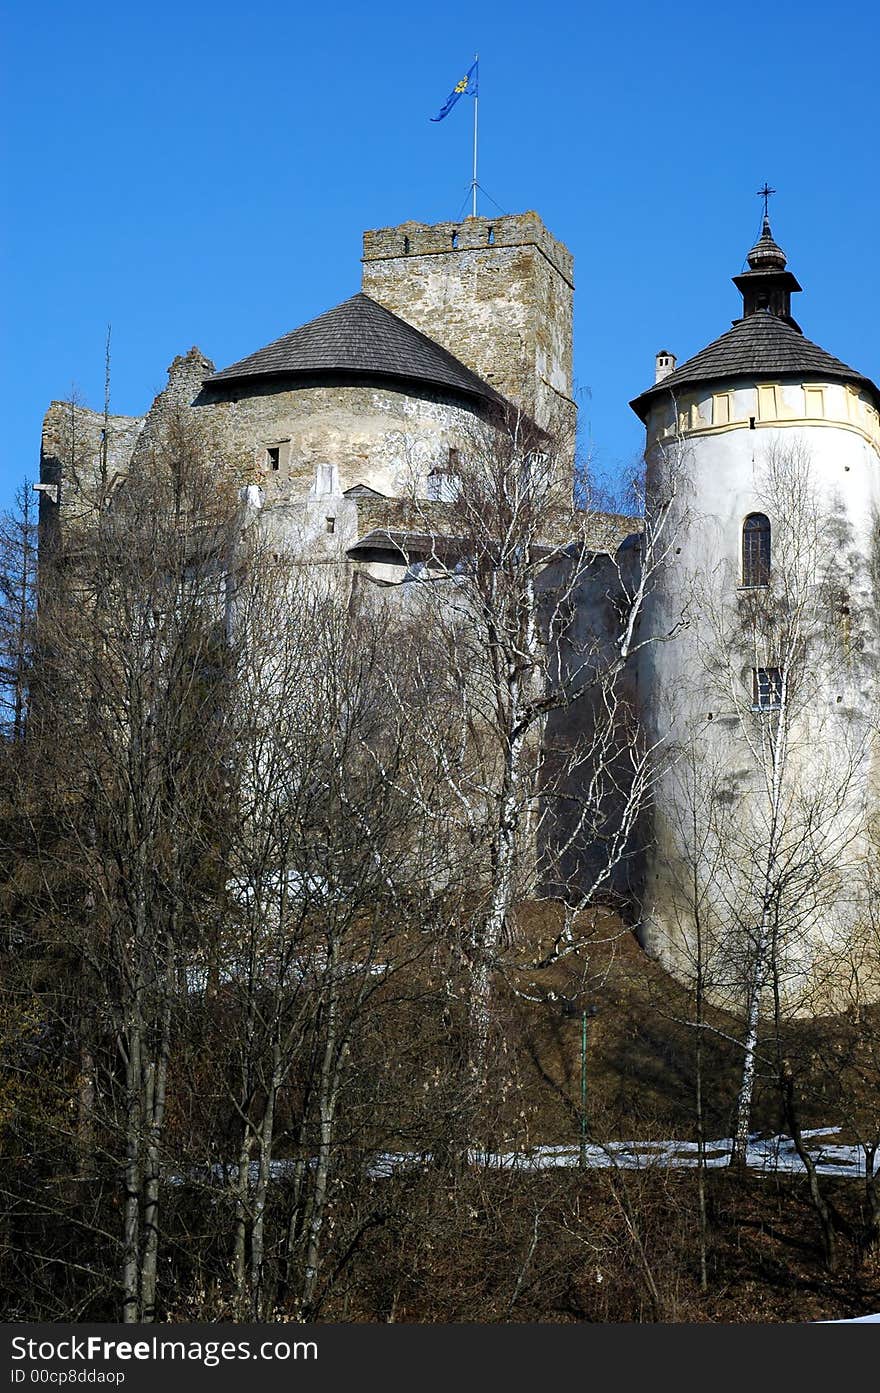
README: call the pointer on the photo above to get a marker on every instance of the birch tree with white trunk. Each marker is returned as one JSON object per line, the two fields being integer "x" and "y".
{"x": 535, "y": 605}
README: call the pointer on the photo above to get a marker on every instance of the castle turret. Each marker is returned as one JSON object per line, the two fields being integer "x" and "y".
{"x": 769, "y": 448}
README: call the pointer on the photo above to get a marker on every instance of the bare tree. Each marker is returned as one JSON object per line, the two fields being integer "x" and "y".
{"x": 130, "y": 653}
{"x": 535, "y": 605}
{"x": 18, "y": 596}
{"x": 331, "y": 903}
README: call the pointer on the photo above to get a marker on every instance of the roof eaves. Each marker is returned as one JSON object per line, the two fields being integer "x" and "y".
{"x": 756, "y": 347}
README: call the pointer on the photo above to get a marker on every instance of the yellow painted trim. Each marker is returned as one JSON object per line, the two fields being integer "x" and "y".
{"x": 688, "y": 405}
{"x": 809, "y": 387}
{"x": 872, "y": 440}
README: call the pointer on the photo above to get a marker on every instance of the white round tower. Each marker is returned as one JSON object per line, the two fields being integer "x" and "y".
{"x": 760, "y": 684}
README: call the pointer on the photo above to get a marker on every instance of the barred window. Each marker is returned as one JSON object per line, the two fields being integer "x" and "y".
{"x": 766, "y": 688}
{"x": 756, "y": 550}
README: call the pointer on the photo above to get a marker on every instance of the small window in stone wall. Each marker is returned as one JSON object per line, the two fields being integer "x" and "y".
{"x": 331, "y": 524}
{"x": 273, "y": 455}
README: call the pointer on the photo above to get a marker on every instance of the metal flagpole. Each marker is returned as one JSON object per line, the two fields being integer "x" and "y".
{"x": 476, "y": 101}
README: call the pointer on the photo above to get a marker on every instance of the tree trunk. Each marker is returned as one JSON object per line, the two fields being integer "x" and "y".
{"x": 131, "y": 1210}
{"x": 155, "y": 1089}
{"x": 747, "y": 1082}
{"x": 265, "y": 1137}
{"x": 829, "y": 1245}
{"x": 327, "y": 1095}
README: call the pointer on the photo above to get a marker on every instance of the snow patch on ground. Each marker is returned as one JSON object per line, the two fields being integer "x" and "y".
{"x": 852, "y": 1320}
{"x": 767, "y": 1155}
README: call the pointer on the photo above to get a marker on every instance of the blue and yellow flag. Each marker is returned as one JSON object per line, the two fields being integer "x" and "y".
{"x": 467, "y": 87}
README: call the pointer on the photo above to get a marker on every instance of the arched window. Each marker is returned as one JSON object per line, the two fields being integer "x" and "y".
{"x": 756, "y": 550}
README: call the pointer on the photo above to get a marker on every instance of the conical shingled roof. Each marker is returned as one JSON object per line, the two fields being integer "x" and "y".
{"x": 360, "y": 337}
{"x": 759, "y": 346}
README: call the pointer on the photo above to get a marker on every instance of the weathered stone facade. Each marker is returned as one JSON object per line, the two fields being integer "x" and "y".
{"x": 498, "y": 293}
{"x": 378, "y": 437}
{"x": 72, "y": 457}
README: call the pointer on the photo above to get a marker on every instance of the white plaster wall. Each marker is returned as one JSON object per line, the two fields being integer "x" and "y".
{"x": 720, "y": 483}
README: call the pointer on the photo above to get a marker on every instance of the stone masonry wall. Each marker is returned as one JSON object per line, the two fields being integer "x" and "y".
{"x": 496, "y": 292}
{"x": 185, "y": 377}
{"x": 373, "y": 435}
{"x": 70, "y": 456}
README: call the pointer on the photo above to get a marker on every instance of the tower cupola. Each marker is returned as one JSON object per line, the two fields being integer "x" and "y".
{"x": 766, "y": 255}
{"x": 767, "y": 286}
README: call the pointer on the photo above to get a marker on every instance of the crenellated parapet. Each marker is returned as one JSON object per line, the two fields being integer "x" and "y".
{"x": 496, "y": 292}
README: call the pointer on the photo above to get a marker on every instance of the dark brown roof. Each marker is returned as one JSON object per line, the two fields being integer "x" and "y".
{"x": 766, "y": 254}
{"x": 761, "y": 345}
{"x": 359, "y": 337}
{"x": 426, "y": 525}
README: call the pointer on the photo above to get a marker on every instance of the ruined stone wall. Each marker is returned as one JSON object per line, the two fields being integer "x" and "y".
{"x": 496, "y": 292}
{"x": 71, "y": 460}
{"x": 177, "y": 403}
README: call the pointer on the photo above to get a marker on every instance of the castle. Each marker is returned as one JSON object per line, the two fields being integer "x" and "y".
{"x": 342, "y": 421}
{"x": 344, "y": 425}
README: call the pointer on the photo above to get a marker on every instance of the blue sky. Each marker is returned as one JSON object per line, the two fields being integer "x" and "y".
{"x": 202, "y": 173}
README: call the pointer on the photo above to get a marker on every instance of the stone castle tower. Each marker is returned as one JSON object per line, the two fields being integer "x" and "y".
{"x": 496, "y": 292}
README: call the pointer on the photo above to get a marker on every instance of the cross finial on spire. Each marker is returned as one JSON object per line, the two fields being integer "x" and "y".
{"x": 766, "y": 194}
